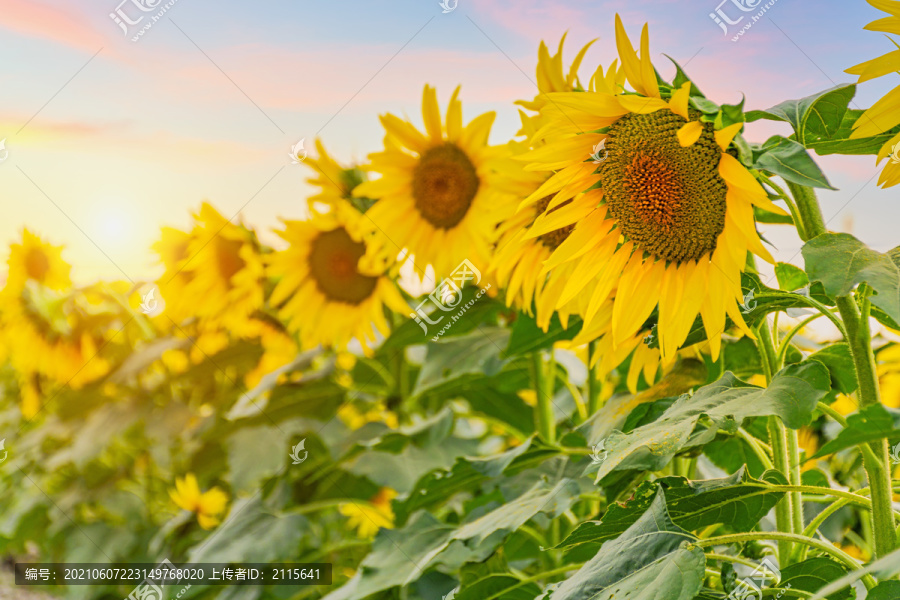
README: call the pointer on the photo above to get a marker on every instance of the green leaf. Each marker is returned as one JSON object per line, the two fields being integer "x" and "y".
{"x": 839, "y": 360}
{"x": 256, "y": 453}
{"x": 239, "y": 537}
{"x": 790, "y": 278}
{"x": 871, "y": 424}
{"x": 681, "y": 78}
{"x": 478, "y": 352}
{"x": 841, "y": 262}
{"x": 738, "y": 501}
{"x": 695, "y": 420}
{"x": 886, "y": 590}
{"x": 527, "y": 337}
{"x": 810, "y": 575}
{"x": 499, "y": 587}
{"x": 651, "y": 559}
{"x": 840, "y": 142}
{"x": 789, "y": 159}
{"x": 883, "y": 568}
{"x": 813, "y": 117}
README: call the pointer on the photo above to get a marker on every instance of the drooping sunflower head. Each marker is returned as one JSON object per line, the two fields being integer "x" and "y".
{"x": 335, "y": 181}
{"x": 884, "y": 114}
{"x": 327, "y": 289}
{"x": 659, "y": 206}
{"x": 435, "y": 198}
{"x": 36, "y": 260}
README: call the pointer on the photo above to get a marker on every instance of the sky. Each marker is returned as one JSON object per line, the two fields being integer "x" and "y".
{"x": 109, "y": 139}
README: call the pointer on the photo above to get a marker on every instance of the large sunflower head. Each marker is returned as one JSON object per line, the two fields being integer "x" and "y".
{"x": 435, "y": 197}
{"x": 884, "y": 114}
{"x": 36, "y": 260}
{"x": 327, "y": 290}
{"x": 335, "y": 181}
{"x": 661, "y": 210}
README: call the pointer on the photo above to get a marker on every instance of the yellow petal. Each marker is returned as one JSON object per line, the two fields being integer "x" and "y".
{"x": 679, "y": 101}
{"x": 725, "y": 136}
{"x": 431, "y": 113}
{"x": 690, "y": 133}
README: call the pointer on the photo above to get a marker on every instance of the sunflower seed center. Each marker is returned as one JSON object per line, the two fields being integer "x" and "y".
{"x": 333, "y": 260}
{"x": 444, "y": 185}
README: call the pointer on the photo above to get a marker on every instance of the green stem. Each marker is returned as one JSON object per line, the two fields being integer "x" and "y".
{"x": 786, "y": 342}
{"x": 824, "y": 547}
{"x": 859, "y": 338}
{"x": 778, "y": 439}
{"x": 594, "y": 379}
{"x": 757, "y": 448}
{"x": 544, "y": 380}
{"x": 793, "y": 448}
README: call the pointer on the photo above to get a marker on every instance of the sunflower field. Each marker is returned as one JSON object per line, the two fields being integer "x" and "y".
{"x": 559, "y": 367}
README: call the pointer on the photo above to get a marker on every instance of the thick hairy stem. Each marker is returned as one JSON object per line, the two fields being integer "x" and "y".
{"x": 859, "y": 338}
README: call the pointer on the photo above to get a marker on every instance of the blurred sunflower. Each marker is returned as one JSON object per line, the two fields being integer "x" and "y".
{"x": 226, "y": 271}
{"x": 172, "y": 248}
{"x": 335, "y": 182}
{"x": 368, "y": 517}
{"x": 206, "y": 505}
{"x": 436, "y": 197}
{"x": 884, "y": 114}
{"x": 664, "y": 218}
{"x": 327, "y": 289}
{"x": 36, "y": 260}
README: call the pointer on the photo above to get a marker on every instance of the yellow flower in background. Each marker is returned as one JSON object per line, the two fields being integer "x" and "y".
{"x": 226, "y": 271}
{"x": 207, "y": 505}
{"x": 884, "y": 114}
{"x": 326, "y": 288}
{"x": 845, "y": 404}
{"x": 36, "y": 260}
{"x": 335, "y": 182}
{"x": 436, "y": 197}
{"x": 368, "y": 517}
{"x": 662, "y": 215}
{"x": 172, "y": 248}
{"x": 808, "y": 441}
{"x": 354, "y": 418}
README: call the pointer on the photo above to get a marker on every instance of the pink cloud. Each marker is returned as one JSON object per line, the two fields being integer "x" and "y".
{"x": 61, "y": 25}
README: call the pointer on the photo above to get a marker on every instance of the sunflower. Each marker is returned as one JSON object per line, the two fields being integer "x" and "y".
{"x": 206, "y": 505}
{"x": 436, "y": 197}
{"x": 519, "y": 257}
{"x": 885, "y": 114}
{"x": 368, "y": 517}
{"x": 335, "y": 182}
{"x": 327, "y": 289}
{"x": 662, "y": 219}
{"x": 36, "y": 260}
{"x": 225, "y": 271}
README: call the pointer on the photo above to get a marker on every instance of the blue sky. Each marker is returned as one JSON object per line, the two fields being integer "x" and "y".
{"x": 208, "y": 102}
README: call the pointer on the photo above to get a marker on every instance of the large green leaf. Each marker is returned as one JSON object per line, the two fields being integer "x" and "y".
{"x": 650, "y": 560}
{"x": 738, "y": 501}
{"x": 499, "y": 587}
{"x": 871, "y": 424}
{"x": 694, "y": 420}
{"x": 840, "y": 142}
{"x": 841, "y": 262}
{"x": 839, "y": 361}
{"x": 256, "y": 453}
{"x": 790, "y": 160}
{"x": 886, "y": 590}
{"x": 813, "y": 117}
